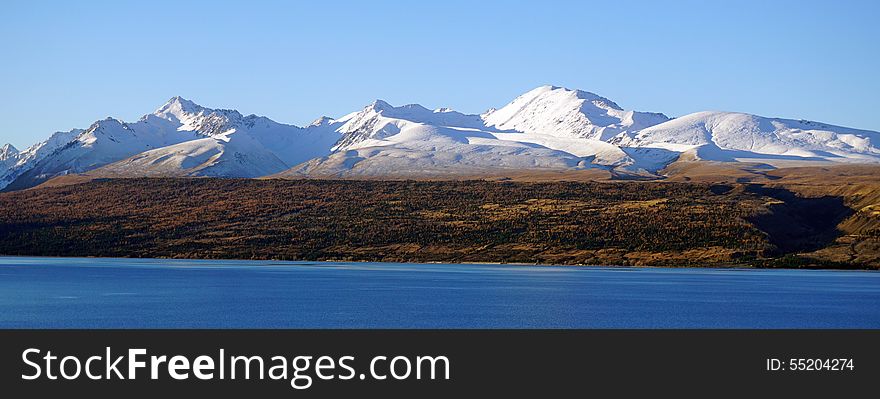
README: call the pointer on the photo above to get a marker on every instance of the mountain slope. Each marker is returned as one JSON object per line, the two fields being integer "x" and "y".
{"x": 558, "y": 111}
{"x": 235, "y": 156}
{"x": 24, "y": 160}
{"x": 104, "y": 142}
{"x": 738, "y": 137}
{"x": 8, "y": 157}
{"x": 250, "y": 146}
{"x": 8, "y": 154}
{"x": 180, "y": 138}
{"x": 412, "y": 140}
{"x": 546, "y": 129}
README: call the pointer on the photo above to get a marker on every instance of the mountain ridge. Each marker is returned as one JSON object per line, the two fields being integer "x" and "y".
{"x": 547, "y": 128}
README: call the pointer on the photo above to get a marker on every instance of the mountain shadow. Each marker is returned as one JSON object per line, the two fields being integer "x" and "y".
{"x": 799, "y": 224}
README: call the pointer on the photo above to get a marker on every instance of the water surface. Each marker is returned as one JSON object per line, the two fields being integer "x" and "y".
{"x": 160, "y": 293}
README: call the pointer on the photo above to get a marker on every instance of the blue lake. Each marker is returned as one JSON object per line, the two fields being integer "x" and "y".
{"x": 160, "y": 293}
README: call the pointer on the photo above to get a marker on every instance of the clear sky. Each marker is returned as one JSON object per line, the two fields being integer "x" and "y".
{"x": 66, "y": 64}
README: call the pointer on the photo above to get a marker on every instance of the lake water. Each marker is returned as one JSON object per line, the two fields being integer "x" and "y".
{"x": 159, "y": 293}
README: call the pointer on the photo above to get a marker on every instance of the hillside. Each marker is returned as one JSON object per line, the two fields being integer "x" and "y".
{"x": 617, "y": 223}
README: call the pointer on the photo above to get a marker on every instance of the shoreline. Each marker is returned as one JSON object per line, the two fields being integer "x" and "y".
{"x": 476, "y": 263}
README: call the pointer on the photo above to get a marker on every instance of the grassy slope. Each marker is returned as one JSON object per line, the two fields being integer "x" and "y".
{"x": 858, "y": 186}
{"x": 639, "y": 223}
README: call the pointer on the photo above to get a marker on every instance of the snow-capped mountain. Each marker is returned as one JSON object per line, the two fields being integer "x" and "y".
{"x": 548, "y": 128}
{"x": 557, "y": 111}
{"x": 8, "y": 156}
{"x": 730, "y": 137}
{"x": 8, "y": 152}
{"x": 25, "y": 160}
{"x": 412, "y": 140}
{"x": 180, "y": 138}
{"x": 381, "y": 120}
{"x": 229, "y": 145}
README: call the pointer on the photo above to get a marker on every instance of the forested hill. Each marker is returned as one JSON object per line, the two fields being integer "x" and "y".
{"x": 613, "y": 223}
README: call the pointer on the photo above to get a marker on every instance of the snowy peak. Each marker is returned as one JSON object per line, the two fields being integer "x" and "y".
{"x": 177, "y": 121}
{"x": 9, "y": 157}
{"x": 368, "y": 123}
{"x": 199, "y": 141}
{"x": 178, "y": 109}
{"x": 549, "y": 127}
{"x": 189, "y": 116}
{"x": 410, "y": 112}
{"x": 561, "y": 96}
{"x": 416, "y": 113}
{"x": 106, "y": 129}
{"x": 596, "y": 99}
{"x": 379, "y": 106}
{"x": 562, "y": 112}
{"x": 381, "y": 120}
{"x": 8, "y": 151}
{"x": 733, "y": 136}
{"x": 322, "y": 121}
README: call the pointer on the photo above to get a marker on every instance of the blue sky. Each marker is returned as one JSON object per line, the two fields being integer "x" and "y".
{"x": 66, "y": 64}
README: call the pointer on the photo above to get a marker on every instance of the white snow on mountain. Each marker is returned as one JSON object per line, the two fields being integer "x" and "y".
{"x": 738, "y": 137}
{"x": 106, "y": 141}
{"x": 379, "y": 121}
{"x": 7, "y": 150}
{"x": 182, "y": 138}
{"x": 233, "y": 156}
{"x": 557, "y": 111}
{"x": 27, "y": 158}
{"x": 412, "y": 140}
{"x": 416, "y": 149}
{"x": 8, "y": 157}
{"x": 254, "y": 146}
{"x": 548, "y": 128}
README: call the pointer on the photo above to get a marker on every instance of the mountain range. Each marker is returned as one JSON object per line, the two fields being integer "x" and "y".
{"x": 546, "y": 129}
